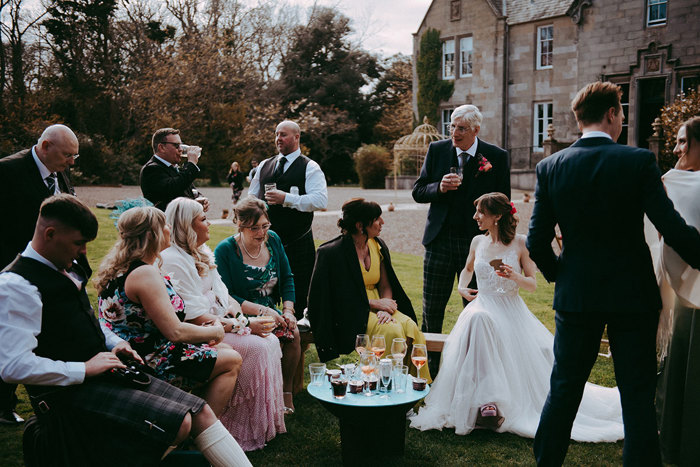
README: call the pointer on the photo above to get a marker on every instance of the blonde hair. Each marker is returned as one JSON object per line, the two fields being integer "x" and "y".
{"x": 181, "y": 214}
{"x": 140, "y": 236}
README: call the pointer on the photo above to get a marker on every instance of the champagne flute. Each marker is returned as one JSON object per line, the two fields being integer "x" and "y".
{"x": 368, "y": 362}
{"x": 378, "y": 345}
{"x": 398, "y": 348}
{"x": 385, "y": 369}
{"x": 419, "y": 357}
{"x": 361, "y": 343}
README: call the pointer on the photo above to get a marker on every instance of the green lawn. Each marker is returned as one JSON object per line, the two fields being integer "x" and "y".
{"x": 312, "y": 433}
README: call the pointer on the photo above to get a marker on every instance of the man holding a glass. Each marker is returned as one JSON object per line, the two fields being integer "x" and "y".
{"x": 162, "y": 179}
{"x": 293, "y": 186}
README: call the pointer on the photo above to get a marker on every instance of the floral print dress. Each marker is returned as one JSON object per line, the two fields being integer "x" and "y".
{"x": 186, "y": 366}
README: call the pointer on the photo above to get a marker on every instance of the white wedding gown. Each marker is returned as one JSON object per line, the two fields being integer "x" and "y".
{"x": 499, "y": 353}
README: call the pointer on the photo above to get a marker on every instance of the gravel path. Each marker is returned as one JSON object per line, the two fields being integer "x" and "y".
{"x": 402, "y": 231}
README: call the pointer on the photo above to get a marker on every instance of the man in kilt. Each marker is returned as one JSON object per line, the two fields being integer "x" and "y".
{"x": 51, "y": 342}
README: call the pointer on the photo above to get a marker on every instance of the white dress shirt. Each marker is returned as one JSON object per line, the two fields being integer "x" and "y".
{"x": 595, "y": 134}
{"x": 45, "y": 172}
{"x": 20, "y": 324}
{"x": 316, "y": 197}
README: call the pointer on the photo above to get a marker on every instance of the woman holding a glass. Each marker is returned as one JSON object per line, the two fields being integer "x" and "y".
{"x": 354, "y": 289}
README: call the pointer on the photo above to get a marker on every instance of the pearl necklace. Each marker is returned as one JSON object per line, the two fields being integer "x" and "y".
{"x": 246, "y": 249}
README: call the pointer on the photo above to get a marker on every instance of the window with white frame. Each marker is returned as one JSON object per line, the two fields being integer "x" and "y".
{"x": 466, "y": 50}
{"x": 545, "y": 46}
{"x": 656, "y": 12}
{"x": 448, "y": 59}
{"x": 542, "y": 119}
{"x": 446, "y": 119}
{"x": 625, "y": 104}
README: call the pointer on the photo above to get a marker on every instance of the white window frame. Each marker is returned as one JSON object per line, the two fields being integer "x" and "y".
{"x": 540, "y": 124}
{"x": 448, "y": 59}
{"x": 446, "y": 121}
{"x": 466, "y": 56}
{"x": 654, "y": 8}
{"x": 541, "y": 52}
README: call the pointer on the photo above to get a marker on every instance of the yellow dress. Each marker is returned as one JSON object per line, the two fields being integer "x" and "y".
{"x": 403, "y": 326}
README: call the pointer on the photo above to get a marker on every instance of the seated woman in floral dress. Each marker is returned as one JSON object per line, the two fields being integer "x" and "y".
{"x": 255, "y": 413}
{"x": 255, "y": 269}
{"x": 354, "y": 289}
{"x": 140, "y": 305}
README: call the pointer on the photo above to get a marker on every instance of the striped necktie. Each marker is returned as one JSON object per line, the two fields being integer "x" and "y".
{"x": 51, "y": 183}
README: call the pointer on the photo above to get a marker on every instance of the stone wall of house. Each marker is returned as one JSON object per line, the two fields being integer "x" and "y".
{"x": 485, "y": 87}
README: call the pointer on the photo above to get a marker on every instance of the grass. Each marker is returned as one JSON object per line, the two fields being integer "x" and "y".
{"x": 312, "y": 434}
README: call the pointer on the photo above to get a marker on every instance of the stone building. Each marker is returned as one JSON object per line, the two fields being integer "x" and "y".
{"x": 522, "y": 61}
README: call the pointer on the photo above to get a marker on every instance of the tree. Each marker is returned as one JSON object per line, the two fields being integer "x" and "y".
{"x": 392, "y": 98}
{"x": 322, "y": 69}
{"x": 431, "y": 88}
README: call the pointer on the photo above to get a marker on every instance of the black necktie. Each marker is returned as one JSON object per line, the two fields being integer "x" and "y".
{"x": 51, "y": 183}
{"x": 280, "y": 167}
{"x": 463, "y": 159}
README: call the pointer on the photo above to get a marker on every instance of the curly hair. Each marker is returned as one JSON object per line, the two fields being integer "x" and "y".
{"x": 358, "y": 210}
{"x": 181, "y": 214}
{"x": 140, "y": 236}
{"x": 498, "y": 204}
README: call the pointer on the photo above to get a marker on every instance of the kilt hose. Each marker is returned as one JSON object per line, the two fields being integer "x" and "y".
{"x": 301, "y": 254}
{"x": 103, "y": 423}
{"x": 445, "y": 258}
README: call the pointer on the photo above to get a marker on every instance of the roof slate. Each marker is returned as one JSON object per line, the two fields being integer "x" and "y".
{"x": 523, "y": 11}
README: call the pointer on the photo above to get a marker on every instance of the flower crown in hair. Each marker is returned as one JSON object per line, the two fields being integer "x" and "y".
{"x": 124, "y": 205}
{"x": 512, "y": 208}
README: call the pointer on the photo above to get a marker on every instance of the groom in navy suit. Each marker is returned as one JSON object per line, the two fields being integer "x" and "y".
{"x": 598, "y": 192}
{"x": 450, "y": 227}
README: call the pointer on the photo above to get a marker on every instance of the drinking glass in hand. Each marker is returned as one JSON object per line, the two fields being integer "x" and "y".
{"x": 419, "y": 356}
{"x": 378, "y": 345}
{"x": 361, "y": 343}
{"x": 398, "y": 348}
{"x": 385, "y": 368}
{"x": 457, "y": 171}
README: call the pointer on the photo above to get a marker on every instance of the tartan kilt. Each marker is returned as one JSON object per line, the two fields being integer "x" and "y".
{"x": 107, "y": 424}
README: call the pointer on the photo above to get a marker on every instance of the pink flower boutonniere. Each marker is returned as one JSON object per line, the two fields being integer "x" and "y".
{"x": 484, "y": 164}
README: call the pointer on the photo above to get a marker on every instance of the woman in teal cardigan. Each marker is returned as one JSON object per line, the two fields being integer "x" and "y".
{"x": 255, "y": 269}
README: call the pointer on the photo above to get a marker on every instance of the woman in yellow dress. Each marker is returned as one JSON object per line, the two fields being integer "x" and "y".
{"x": 354, "y": 289}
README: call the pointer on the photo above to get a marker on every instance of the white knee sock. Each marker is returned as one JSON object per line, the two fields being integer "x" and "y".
{"x": 219, "y": 447}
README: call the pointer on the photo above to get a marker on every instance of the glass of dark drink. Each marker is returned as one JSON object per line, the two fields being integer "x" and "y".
{"x": 340, "y": 387}
{"x": 356, "y": 386}
{"x": 419, "y": 384}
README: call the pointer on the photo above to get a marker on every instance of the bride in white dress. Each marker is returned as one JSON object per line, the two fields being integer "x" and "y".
{"x": 497, "y": 360}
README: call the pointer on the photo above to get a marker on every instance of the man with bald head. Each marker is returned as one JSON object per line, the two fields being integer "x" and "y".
{"x": 27, "y": 178}
{"x": 300, "y": 190}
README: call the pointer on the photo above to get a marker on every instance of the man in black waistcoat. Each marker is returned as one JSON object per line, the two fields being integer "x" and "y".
{"x": 162, "y": 179}
{"x": 26, "y": 179}
{"x": 450, "y": 227}
{"x": 300, "y": 189}
{"x": 51, "y": 342}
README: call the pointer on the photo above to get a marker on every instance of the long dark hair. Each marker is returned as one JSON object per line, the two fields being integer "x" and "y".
{"x": 495, "y": 204}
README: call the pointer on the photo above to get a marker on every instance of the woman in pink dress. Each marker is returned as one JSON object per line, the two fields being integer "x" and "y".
{"x": 255, "y": 413}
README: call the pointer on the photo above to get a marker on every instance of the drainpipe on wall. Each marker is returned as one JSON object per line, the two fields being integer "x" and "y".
{"x": 504, "y": 100}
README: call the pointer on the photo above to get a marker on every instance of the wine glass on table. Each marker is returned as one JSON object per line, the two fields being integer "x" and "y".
{"x": 378, "y": 345}
{"x": 419, "y": 357}
{"x": 361, "y": 343}
{"x": 398, "y": 348}
{"x": 368, "y": 364}
{"x": 385, "y": 369}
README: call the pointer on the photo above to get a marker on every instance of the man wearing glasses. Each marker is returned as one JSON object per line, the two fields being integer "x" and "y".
{"x": 162, "y": 179}
{"x": 27, "y": 178}
{"x": 456, "y": 172}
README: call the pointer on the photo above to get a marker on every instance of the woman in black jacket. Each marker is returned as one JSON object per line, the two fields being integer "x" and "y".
{"x": 354, "y": 289}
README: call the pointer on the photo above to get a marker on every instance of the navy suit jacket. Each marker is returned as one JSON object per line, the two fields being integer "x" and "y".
{"x": 161, "y": 184}
{"x": 598, "y": 192}
{"x": 22, "y": 190}
{"x": 441, "y": 156}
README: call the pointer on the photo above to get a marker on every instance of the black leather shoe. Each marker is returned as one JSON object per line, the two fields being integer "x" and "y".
{"x": 10, "y": 417}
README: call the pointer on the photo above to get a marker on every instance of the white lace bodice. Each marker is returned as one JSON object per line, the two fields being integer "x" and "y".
{"x": 488, "y": 281}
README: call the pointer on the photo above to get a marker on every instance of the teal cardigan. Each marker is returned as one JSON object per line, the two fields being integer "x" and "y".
{"x": 229, "y": 262}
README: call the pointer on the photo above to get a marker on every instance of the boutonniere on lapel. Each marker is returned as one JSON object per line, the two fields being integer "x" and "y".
{"x": 484, "y": 164}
